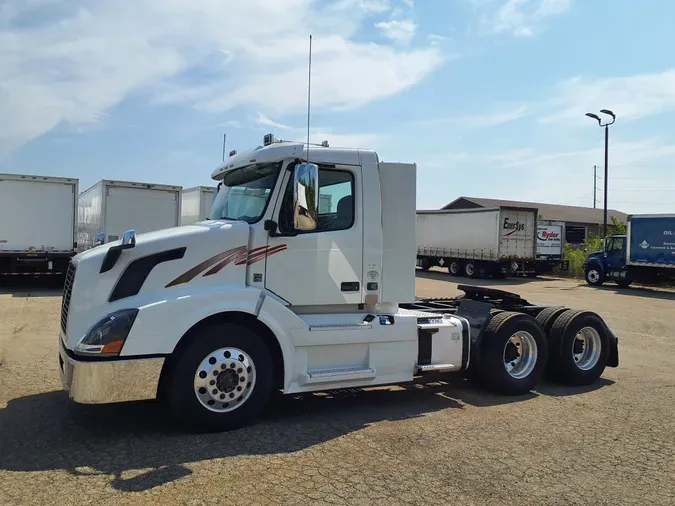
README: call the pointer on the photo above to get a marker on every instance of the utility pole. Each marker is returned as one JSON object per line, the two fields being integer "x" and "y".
{"x": 595, "y": 178}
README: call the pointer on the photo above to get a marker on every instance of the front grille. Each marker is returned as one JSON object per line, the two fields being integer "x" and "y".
{"x": 67, "y": 292}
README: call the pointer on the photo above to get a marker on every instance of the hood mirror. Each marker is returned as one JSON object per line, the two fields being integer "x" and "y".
{"x": 100, "y": 239}
{"x": 128, "y": 239}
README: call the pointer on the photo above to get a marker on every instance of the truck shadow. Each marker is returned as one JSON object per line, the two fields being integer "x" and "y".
{"x": 445, "y": 276}
{"x": 30, "y": 287}
{"x": 648, "y": 292}
{"x": 48, "y": 432}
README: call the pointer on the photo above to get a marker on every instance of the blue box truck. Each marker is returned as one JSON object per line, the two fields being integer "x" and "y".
{"x": 645, "y": 254}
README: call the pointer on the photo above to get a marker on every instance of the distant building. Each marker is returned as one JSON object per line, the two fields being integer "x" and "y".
{"x": 579, "y": 221}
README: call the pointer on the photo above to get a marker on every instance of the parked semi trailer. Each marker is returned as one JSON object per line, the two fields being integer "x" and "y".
{"x": 213, "y": 318}
{"x": 196, "y": 204}
{"x": 37, "y": 224}
{"x": 109, "y": 208}
{"x": 476, "y": 243}
{"x": 645, "y": 254}
{"x": 550, "y": 250}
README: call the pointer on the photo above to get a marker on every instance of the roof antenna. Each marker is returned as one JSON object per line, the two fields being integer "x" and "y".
{"x": 309, "y": 93}
{"x": 224, "y": 139}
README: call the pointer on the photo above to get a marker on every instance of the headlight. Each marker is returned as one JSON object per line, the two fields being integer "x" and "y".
{"x": 107, "y": 337}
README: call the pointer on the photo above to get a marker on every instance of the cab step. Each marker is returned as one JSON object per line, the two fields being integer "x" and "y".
{"x": 329, "y": 375}
{"x": 437, "y": 368}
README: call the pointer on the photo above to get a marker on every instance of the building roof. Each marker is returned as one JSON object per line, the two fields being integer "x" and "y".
{"x": 553, "y": 212}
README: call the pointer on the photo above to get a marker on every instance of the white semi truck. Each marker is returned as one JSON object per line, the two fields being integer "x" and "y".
{"x": 283, "y": 295}
{"x": 38, "y": 217}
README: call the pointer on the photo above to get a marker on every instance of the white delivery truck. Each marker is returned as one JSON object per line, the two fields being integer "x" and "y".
{"x": 213, "y": 318}
{"x": 37, "y": 224}
{"x": 109, "y": 208}
{"x": 196, "y": 204}
{"x": 476, "y": 243}
{"x": 550, "y": 240}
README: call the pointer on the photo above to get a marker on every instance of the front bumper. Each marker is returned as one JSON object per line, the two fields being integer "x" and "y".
{"x": 107, "y": 381}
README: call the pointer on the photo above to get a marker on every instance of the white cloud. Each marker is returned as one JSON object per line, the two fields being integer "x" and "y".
{"x": 262, "y": 120}
{"x": 480, "y": 121}
{"x": 630, "y": 97}
{"x": 524, "y": 18}
{"x": 409, "y": 3}
{"x": 435, "y": 38}
{"x": 398, "y": 31}
{"x": 73, "y": 60}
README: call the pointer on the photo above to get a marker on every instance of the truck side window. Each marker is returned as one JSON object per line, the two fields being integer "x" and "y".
{"x": 616, "y": 244}
{"x": 336, "y": 202}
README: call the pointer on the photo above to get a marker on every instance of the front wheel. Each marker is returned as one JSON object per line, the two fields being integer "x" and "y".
{"x": 513, "y": 353}
{"x": 222, "y": 380}
{"x": 594, "y": 276}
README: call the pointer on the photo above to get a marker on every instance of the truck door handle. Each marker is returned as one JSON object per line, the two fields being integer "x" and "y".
{"x": 350, "y": 286}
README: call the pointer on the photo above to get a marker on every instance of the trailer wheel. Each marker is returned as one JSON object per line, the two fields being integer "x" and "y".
{"x": 222, "y": 380}
{"x": 425, "y": 264}
{"x": 455, "y": 268}
{"x": 594, "y": 275}
{"x": 513, "y": 353}
{"x": 474, "y": 270}
{"x": 581, "y": 348}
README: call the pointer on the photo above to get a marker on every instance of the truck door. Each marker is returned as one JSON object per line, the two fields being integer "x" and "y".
{"x": 616, "y": 253}
{"x": 323, "y": 266}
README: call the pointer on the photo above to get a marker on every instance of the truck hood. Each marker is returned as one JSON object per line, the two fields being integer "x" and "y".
{"x": 171, "y": 261}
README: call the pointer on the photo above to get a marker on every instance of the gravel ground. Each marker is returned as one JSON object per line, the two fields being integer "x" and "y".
{"x": 426, "y": 443}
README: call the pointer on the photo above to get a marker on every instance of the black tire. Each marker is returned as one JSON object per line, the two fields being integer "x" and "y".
{"x": 492, "y": 369}
{"x": 563, "y": 365}
{"x": 594, "y": 275}
{"x": 455, "y": 268}
{"x": 425, "y": 264}
{"x": 474, "y": 270}
{"x": 179, "y": 388}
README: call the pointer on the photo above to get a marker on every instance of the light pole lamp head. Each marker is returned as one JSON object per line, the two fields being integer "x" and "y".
{"x": 609, "y": 113}
{"x": 594, "y": 116}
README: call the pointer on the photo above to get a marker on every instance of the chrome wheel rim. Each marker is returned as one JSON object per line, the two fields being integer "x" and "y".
{"x": 587, "y": 348}
{"x": 593, "y": 276}
{"x": 454, "y": 268}
{"x": 470, "y": 269}
{"x": 520, "y": 355}
{"x": 225, "y": 379}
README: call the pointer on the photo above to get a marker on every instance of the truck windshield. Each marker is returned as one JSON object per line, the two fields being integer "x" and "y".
{"x": 244, "y": 192}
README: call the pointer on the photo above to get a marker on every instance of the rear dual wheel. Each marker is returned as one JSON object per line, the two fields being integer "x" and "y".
{"x": 580, "y": 347}
{"x": 513, "y": 353}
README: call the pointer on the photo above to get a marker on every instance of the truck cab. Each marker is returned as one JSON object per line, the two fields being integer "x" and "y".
{"x": 302, "y": 280}
{"x": 609, "y": 264}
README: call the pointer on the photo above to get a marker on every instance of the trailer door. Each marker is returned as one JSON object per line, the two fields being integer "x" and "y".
{"x": 140, "y": 209}
{"x": 517, "y": 234}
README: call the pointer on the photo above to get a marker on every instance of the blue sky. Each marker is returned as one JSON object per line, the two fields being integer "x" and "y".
{"x": 487, "y": 96}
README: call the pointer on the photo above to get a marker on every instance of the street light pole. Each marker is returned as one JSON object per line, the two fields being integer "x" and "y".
{"x": 606, "y": 126}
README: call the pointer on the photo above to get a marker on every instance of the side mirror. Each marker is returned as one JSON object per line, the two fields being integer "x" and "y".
{"x": 305, "y": 196}
{"x": 100, "y": 239}
{"x": 128, "y": 239}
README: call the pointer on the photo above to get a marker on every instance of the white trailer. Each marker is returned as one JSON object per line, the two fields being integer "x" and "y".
{"x": 196, "y": 203}
{"x": 213, "y": 318}
{"x": 37, "y": 224}
{"x": 479, "y": 242}
{"x": 550, "y": 250}
{"x": 109, "y": 208}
